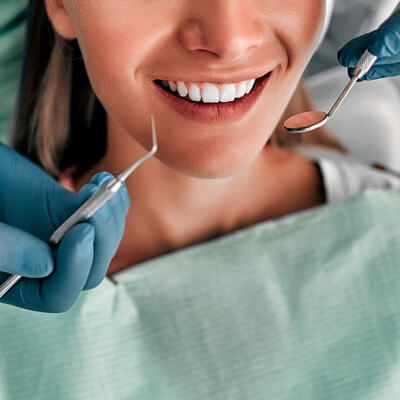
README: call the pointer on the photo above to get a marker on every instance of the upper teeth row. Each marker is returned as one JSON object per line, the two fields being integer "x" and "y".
{"x": 209, "y": 92}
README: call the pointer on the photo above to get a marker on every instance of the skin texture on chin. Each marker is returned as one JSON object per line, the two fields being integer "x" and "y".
{"x": 175, "y": 197}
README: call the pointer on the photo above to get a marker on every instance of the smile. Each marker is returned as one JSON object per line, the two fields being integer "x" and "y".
{"x": 210, "y": 103}
{"x": 210, "y": 92}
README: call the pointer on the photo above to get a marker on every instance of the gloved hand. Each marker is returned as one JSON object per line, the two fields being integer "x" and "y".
{"x": 32, "y": 206}
{"x": 383, "y": 43}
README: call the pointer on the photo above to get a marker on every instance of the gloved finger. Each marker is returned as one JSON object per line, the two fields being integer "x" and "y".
{"x": 28, "y": 194}
{"x": 378, "y": 72}
{"x": 73, "y": 263}
{"x": 349, "y": 55}
{"x": 59, "y": 291}
{"x": 23, "y": 254}
{"x": 387, "y": 43}
{"x": 109, "y": 224}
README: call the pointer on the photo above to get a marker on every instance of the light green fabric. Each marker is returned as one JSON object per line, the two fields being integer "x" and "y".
{"x": 303, "y": 308}
{"x": 12, "y": 26}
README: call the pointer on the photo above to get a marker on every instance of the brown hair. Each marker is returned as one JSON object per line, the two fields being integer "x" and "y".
{"x": 59, "y": 122}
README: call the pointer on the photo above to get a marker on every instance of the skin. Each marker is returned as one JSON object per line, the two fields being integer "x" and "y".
{"x": 207, "y": 179}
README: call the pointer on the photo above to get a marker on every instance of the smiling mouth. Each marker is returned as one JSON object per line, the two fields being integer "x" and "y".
{"x": 200, "y": 93}
{"x": 213, "y": 111}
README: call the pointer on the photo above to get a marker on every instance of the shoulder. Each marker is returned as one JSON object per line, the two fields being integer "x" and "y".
{"x": 344, "y": 176}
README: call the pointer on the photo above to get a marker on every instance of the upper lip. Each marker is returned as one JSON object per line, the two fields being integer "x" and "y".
{"x": 218, "y": 78}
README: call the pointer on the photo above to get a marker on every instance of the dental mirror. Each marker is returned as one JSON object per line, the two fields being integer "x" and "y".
{"x": 311, "y": 120}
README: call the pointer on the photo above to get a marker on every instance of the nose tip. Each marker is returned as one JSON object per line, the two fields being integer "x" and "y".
{"x": 231, "y": 48}
{"x": 229, "y": 33}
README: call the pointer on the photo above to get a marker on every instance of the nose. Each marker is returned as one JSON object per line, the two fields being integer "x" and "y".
{"x": 227, "y": 29}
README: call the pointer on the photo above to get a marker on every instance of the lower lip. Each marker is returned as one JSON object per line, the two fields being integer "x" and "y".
{"x": 218, "y": 112}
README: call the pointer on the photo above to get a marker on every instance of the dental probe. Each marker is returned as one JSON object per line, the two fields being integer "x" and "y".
{"x": 90, "y": 206}
{"x": 311, "y": 120}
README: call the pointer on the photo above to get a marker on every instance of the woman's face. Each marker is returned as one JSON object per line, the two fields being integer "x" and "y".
{"x": 129, "y": 46}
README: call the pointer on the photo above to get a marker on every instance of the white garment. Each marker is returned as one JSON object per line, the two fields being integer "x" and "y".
{"x": 344, "y": 176}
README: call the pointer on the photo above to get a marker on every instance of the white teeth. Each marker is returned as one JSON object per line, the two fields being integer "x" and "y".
{"x": 172, "y": 85}
{"x": 250, "y": 85}
{"x": 241, "y": 90}
{"x": 182, "y": 90}
{"x": 194, "y": 93}
{"x": 210, "y": 93}
{"x": 228, "y": 93}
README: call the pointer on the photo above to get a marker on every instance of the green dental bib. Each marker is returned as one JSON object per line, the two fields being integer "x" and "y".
{"x": 302, "y": 308}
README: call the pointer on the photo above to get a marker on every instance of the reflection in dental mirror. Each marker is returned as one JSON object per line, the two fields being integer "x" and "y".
{"x": 306, "y": 122}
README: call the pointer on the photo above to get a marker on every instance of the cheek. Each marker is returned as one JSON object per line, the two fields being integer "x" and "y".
{"x": 113, "y": 51}
{"x": 298, "y": 28}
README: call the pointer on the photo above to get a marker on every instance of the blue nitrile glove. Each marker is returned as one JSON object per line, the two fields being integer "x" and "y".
{"x": 383, "y": 43}
{"x": 32, "y": 206}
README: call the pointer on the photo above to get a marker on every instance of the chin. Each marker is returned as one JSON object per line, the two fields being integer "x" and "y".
{"x": 214, "y": 164}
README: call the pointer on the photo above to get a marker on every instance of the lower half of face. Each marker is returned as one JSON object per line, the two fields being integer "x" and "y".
{"x": 217, "y": 75}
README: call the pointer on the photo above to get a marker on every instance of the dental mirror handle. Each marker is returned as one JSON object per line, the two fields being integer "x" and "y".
{"x": 363, "y": 66}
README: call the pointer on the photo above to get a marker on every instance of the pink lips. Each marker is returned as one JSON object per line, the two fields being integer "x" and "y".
{"x": 214, "y": 113}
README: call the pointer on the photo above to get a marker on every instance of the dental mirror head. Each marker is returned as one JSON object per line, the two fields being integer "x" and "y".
{"x": 306, "y": 122}
{"x": 311, "y": 120}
